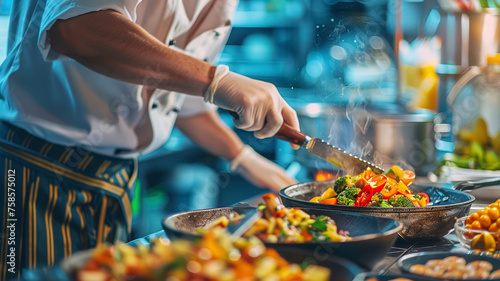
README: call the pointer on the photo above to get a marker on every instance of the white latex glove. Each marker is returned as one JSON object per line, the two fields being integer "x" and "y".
{"x": 259, "y": 105}
{"x": 260, "y": 171}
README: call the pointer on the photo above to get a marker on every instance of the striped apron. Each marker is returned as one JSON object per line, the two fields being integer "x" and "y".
{"x": 57, "y": 200}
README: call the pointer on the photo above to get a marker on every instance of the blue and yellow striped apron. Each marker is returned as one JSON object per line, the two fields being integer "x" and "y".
{"x": 58, "y": 200}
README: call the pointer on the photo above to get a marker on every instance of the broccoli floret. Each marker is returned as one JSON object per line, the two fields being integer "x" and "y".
{"x": 341, "y": 183}
{"x": 348, "y": 195}
{"x": 378, "y": 201}
{"x": 393, "y": 198}
{"x": 384, "y": 204}
{"x": 418, "y": 196}
{"x": 350, "y": 192}
{"x": 377, "y": 197}
{"x": 400, "y": 200}
{"x": 342, "y": 199}
{"x": 404, "y": 202}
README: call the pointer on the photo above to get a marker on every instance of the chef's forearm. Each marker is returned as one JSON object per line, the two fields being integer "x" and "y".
{"x": 109, "y": 43}
{"x": 209, "y": 132}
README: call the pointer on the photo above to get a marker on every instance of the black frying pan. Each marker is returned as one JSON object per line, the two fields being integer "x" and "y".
{"x": 373, "y": 236}
{"x": 433, "y": 221}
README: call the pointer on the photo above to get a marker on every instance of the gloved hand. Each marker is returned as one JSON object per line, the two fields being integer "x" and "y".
{"x": 260, "y": 171}
{"x": 259, "y": 105}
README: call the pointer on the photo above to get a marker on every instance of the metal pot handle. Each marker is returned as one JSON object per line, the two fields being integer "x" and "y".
{"x": 470, "y": 185}
{"x": 469, "y": 74}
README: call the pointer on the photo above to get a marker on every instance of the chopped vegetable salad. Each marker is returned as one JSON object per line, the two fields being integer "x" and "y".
{"x": 288, "y": 225}
{"x": 213, "y": 258}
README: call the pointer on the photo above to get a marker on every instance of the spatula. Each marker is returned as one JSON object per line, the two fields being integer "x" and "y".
{"x": 236, "y": 230}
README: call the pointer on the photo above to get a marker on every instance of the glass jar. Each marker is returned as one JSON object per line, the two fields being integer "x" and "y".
{"x": 475, "y": 106}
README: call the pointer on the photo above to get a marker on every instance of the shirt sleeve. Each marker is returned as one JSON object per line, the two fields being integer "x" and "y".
{"x": 194, "y": 105}
{"x": 65, "y": 9}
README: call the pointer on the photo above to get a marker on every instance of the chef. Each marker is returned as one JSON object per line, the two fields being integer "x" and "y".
{"x": 86, "y": 88}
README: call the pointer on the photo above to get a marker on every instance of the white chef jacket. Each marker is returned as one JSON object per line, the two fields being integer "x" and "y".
{"x": 58, "y": 99}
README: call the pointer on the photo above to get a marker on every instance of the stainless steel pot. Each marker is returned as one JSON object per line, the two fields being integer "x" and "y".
{"x": 406, "y": 139}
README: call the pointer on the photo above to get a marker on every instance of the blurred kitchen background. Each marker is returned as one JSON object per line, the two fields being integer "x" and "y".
{"x": 372, "y": 77}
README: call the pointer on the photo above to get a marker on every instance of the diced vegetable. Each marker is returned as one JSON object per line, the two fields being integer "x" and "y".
{"x": 316, "y": 199}
{"x": 292, "y": 224}
{"x": 422, "y": 200}
{"x": 359, "y": 190}
{"x": 341, "y": 183}
{"x": 367, "y": 174}
{"x": 390, "y": 188}
{"x": 361, "y": 182}
{"x": 403, "y": 189}
{"x": 400, "y": 200}
{"x": 273, "y": 203}
{"x": 377, "y": 182}
{"x": 315, "y": 273}
{"x": 320, "y": 223}
{"x": 350, "y": 192}
{"x": 425, "y": 196}
{"x": 395, "y": 172}
{"x": 342, "y": 199}
{"x": 329, "y": 193}
{"x": 364, "y": 197}
{"x": 414, "y": 200}
{"x": 331, "y": 201}
{"x": 245, "y": 259}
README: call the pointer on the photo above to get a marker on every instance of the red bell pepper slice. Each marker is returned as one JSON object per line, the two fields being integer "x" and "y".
{"x": 427, "y": 200}
{"x": 364, "y": 196}
{"x": 377, "y": 182}
{"x": 367, "y": 174}
{"x": 331, "y": 201}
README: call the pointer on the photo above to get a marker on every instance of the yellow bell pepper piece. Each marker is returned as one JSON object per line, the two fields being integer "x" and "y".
{"x": 329, "y": 193}
{"x": 403, "y": 188}
{"x": 398, "y": 171}
{"x": 315, "y": 199}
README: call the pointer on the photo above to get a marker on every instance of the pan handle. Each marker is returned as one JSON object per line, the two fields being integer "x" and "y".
{"x": 470, "y": 185}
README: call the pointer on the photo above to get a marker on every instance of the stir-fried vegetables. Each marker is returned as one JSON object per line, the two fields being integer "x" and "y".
{"x": 214, "y": 258}
{"x": 289, "y": 225}
{"x": 374, "y": 190}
